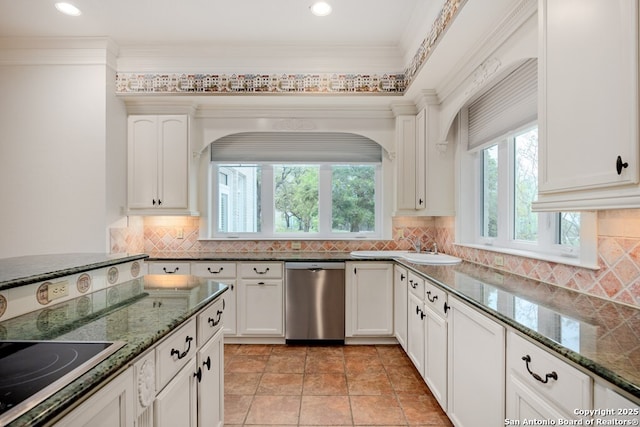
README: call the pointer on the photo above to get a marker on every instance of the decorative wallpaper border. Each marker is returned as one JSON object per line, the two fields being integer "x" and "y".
{"x": 291, "y": 83}
{"x": 259, "y": 83}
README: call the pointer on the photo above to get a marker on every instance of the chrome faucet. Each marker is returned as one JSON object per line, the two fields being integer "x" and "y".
{"x": 417, "y": 244}
{"x": 435, "y": 248}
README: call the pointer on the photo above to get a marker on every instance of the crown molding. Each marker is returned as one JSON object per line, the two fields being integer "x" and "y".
{"x": 485, "y": 47}
{"x": 404, "y": 108}
{"x": 256, "y": 108}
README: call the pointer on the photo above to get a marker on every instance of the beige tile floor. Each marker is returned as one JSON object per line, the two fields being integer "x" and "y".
{"x": 326, "y": 385}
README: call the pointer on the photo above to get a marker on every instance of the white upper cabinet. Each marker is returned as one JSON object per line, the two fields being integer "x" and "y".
{"x": 407, "y": 194}
{"x": 158, "y": 164}
{"x": 425, "y": 166}
{"x": 588, "y": 104}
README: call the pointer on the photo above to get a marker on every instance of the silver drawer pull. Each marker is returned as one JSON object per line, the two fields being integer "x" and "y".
{"x": 553, "y": 374}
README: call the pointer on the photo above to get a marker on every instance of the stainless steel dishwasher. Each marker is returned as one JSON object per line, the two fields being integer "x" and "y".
{"x": 314, "y": 301}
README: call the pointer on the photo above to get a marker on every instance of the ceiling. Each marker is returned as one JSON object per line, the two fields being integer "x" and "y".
{"x": 398, "y": 24}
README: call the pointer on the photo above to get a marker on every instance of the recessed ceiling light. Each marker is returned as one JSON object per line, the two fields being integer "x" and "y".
{"x": 320, "y": 8}
{"x": 68, "y": 9}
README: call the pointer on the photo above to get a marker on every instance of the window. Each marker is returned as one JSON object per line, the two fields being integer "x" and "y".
{"x": 296, "y": 185}
{"x": 272, "y": 200}
{"x": 509, "y": 177}
{"x": 238, "y": 189}
{"x": 504, "y": 175}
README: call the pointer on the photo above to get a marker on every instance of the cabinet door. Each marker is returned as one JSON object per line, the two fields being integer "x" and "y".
{"x": 400, "y": 305}
{"x": 261, "y": 307}
{"x": 211, "y": 383}
{"x": 113, "y": 406}
{"x": 420, "y": 160}
{"x": 415, "y": 332}
{"x": 588, "y": 111}
{"x": 526, "y": 404}
{"x": 173, "y": 157}
{"x": 615, "y": 406}
{"x": 406, "y": 167}
{"x": 230, "y": 323}
{"x": 476, "y": 369}
{"x": 176, "y": 404}
{"x": 142, "y": 161}
{"x": 435, "y": 355}
{"x": 158, "y": 162}
{"x": 369, "y": 299}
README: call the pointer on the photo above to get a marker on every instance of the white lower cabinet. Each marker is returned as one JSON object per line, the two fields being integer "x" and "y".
{"x": 176, "y": 404}
{"x": 541, "y": 386}
{"x": 369, "y": 299}
{"x": 210, "y": 377}
{"x": 112, "y": 406}
{"x": 416, "y": 322}
{"x": 613, "y": 406}
{"x": 261, "y": 307}
{"x": 476, "y": 369}
{"x": 400, "y": 305}
{"x": 435, "y": 342}
{"x": 180, "y": 382}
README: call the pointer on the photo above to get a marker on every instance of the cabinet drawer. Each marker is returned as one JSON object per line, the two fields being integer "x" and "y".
{"x": 210, "y": 321}
{"x": 435, "y": 298}
{"x": 174, "y": 352}
{"x": 261, "y": 270}
{"x": 169, "y": 268}
{"x": 218, "y": 270}
{"x": 416, "y": 285}
{"x": 570, "y": 389}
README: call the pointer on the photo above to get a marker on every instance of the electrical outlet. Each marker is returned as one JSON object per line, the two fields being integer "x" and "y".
{"x": 180, "y": 233}
{"x": 58, "y": 290}
{"x": 498, "y": 261}
{"x": 296, "y": 245}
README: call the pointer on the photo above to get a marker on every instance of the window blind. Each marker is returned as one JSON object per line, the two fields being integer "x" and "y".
{"x": 509, "y": 104}
{"x": 293, "y": 147}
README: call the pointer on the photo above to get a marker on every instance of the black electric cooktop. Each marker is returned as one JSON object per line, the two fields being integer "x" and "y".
{"x": 31, "y": 371}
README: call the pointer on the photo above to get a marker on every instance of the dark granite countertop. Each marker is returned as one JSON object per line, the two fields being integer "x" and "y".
{"x": 255, "y": 256}
{"x": 124, "y": 312}
{"x": 24, "y": 270}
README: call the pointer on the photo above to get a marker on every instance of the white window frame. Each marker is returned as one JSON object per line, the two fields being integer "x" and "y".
{"x": 267, "y": 223}
{"x": 469, "y": 220}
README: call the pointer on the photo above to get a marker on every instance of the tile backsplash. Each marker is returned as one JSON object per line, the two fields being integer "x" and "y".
{"x": 618, "y": 278}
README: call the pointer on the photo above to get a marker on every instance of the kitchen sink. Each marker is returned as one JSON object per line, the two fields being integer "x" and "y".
{"x": 415, "y": 257}
{"x": 378, "y": 254}
{"x": 430, "y": 258}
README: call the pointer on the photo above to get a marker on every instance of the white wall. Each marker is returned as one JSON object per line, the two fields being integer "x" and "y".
{"x": 53, "y": 157}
